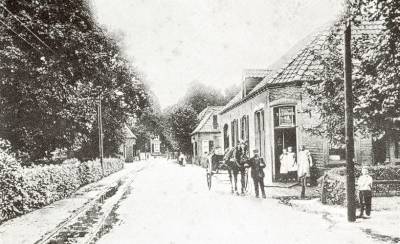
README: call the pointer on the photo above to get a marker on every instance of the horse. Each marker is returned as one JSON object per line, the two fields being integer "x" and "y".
{"x": 235, "y": 162}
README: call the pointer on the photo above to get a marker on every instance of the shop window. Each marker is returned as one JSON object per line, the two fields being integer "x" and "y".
{"x": 284, "y": 116}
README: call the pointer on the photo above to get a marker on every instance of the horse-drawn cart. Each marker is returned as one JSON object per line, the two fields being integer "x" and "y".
{"x": 219, "y": 163}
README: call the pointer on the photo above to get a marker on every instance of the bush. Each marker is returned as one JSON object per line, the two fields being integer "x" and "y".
{"x": 334, "y": 181}
{"x": 25, "y": 189}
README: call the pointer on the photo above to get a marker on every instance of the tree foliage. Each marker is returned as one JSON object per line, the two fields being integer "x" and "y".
{"x": 376, "y": 76}
{"x": 183, "y": 120}
{"x": 199, "y": 96}
{"x": 48, "y": 91}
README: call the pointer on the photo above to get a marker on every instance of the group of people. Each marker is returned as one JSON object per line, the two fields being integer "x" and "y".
{"x": 292, "y": 167}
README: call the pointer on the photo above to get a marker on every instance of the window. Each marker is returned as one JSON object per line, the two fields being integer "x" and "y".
{"x": 397, "y": 148}
{"x": 195, "y": 149}
{"x": 284, "y": 116}
{"x": 215, "y": 122}
{"x": 244, "y": 128}
{"x": 206, "y": 147}
{"x": 226, "y": 137}
{"x": 337, "y": 153}
{"x": 235, "y": 132}
{"x": 210, "y": 145}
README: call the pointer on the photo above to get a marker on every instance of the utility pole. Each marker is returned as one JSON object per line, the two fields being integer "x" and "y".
{"x": 100, "y": 125}
{"x": 348, "y": 90}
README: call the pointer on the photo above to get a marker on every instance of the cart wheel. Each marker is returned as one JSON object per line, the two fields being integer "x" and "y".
{"x": 209, "y": 181}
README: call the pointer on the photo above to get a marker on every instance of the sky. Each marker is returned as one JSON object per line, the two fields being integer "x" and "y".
{"x": 176, "y": 42}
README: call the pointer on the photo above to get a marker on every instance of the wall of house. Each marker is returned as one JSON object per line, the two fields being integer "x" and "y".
{"x": 293, "y": 96}
{"x": 129, "y": 150}
{"x": 201, "y": 156}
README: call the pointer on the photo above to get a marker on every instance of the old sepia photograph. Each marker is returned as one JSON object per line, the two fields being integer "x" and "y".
{"x": 199, "y": 121}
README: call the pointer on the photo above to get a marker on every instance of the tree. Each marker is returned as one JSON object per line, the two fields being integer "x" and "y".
{"x": 183, "y": 120}
{"x": 376, "y": 74}
{"x": 199, "y": 96}
{"x": 230, "y": 92}
{"x": 50, "y": 83}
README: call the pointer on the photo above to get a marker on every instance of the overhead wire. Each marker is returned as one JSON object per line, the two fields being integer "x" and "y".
{"x": 27, "y": 28}
{"x": 26, "y": 41}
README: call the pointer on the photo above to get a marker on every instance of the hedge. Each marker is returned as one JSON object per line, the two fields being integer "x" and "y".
{"x": 25, "y": 189}
{"x": 333, "y": 190}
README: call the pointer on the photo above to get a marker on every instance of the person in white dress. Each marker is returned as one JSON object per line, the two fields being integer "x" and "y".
{"x": 283, "y": 170}
{"x": 304, "y": 160}
{"x": 292, "y": 164}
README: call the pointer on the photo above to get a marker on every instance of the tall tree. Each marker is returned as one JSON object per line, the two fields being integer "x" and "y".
{"x": 183, "y": 120}
{"x": 376, "y": 58}
{"x": 199, "y": 96}
{"x": 55, "y": 62}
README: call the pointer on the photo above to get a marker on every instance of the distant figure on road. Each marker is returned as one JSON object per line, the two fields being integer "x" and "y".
{"x": 257, "y": 173}
{"x": 364, "y": 184}
{"x": 182, "y": 159}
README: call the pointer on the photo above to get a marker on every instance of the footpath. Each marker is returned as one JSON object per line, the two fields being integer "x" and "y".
{"x": 383, "y": 224}
{"x": 41, "y": 225}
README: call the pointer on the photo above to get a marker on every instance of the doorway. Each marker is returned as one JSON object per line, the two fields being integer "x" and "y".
{"x": 284, "y": 134}
{"x": 284, "y": 138}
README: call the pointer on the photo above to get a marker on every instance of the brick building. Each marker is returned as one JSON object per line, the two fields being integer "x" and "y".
{"x": 272, "y": 112}
{"x": 206, "y": 136}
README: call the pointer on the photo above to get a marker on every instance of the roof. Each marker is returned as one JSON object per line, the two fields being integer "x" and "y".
{"x": 206, "y": 111}
{"x": 299, "y": 64}
{"x": 205, "y": 124}
{"x": 128, "y": 134}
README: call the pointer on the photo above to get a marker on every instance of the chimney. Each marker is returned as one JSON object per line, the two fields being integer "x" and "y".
{"x": 251, "y": 78}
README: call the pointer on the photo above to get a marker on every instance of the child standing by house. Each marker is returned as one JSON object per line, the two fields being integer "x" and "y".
{"x": 283, "y": 170}
{"x": 364, "y": 184}
{"x": 291, "y": 164}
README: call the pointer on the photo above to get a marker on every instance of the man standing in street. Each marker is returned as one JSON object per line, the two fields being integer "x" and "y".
{"x": 257, "y": 173}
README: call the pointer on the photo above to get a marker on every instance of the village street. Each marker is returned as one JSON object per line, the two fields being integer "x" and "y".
{"x": 168, "y": 203}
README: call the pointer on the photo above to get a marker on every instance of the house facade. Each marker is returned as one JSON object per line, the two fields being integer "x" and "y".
{"x": 155, "y": 145}
{"x": 129, "y": 146}
{"x": 275, "y": 113}
{"x": 207, "y": 135}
